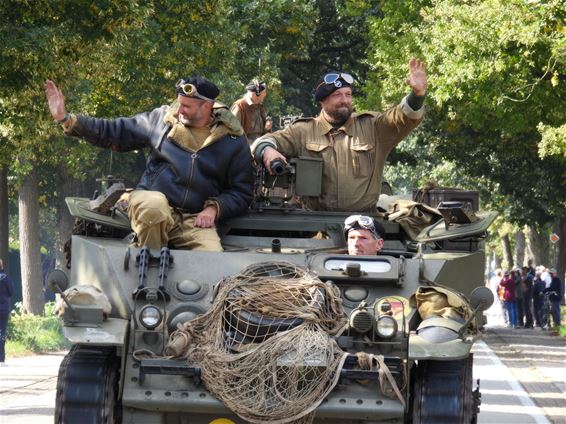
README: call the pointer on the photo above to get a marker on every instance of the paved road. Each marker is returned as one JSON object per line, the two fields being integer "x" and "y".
{"x": 522, "y": 376}
{"x": 522, "y": 373}
{"x": 27, "y": 389}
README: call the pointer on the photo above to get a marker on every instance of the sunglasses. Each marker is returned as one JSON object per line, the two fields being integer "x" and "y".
{"x": 190, "y": 90}
{"x": 359, "y": 221}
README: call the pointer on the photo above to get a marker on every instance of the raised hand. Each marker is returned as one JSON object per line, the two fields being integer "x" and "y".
{"x": 417, "y": 77}
{"x": 55, "y": 99}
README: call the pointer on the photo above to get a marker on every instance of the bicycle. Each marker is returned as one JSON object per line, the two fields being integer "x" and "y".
{"x": 546, "y": 310}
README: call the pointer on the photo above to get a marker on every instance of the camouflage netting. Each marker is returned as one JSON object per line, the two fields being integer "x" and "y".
{"x": 265, "y": 347}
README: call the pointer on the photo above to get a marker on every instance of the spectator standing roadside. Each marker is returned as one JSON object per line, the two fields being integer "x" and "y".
{"x": 538, "y": 298}
{"x": 496, "y": 312}
{"x": 6, "y": 291}
{"x": 554, "y": 290}
{"x": 508, "y": 284}
{"x": 516, "y": 274}
{"x": 250, "y": 111}
{"x": 527, "y": 291}
{"x": 546, "y": 277}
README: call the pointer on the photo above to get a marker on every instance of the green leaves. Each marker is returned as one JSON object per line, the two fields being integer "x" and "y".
{"x": 494, "y": 71}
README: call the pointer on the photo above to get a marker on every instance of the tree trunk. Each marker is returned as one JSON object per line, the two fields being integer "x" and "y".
{"x": 507, "y": 252}
{"x": 538, "y": 242}
{"x": 520, "y": 248}
{"x": 496, "y": 261}
{"x": 4, "y": 218}
{"x": 65, "y": 221}
{"x": 559, "y": 251}
{"x": 528, "y": 250}
{"x": 32, "y": 281}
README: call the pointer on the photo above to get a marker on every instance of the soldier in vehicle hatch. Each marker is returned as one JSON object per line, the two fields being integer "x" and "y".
{"x": 200, "y": 169}
{"x": 250, "y": 111}
{"x": 364, "y": 235}
{"x": 353, "y": 146}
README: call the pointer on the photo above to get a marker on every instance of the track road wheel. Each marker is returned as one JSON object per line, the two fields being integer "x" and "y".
{"x": 87, "y": 387}
{"x": 442, "y": 393}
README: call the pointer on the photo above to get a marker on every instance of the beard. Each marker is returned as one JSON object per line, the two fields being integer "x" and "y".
{"x": 339, "y": 114}
{"x": 185, "y": 121}
{"x": 189, "y": 121}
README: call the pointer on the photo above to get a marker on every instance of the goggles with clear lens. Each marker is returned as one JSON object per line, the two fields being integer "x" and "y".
{"x": 190, "y": 90}
{"x": 332, "y": 78}
{"x": 359, "y": 221}
{"x": 335, "y": 79}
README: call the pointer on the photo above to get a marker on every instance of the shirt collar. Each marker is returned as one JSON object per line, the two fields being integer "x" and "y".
{"x": 347, "y": 128}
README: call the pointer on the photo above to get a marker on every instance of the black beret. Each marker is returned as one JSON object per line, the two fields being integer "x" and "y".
{"x": 323, "y": 89}
{"x": 256, "y": 85}
{"x": 203, "y": 86}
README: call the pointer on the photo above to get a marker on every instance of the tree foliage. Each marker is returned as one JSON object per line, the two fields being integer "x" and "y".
{"x": 496, "y": 85}
{"x": 337, "y": 41}
{"x": 495, "y": 118}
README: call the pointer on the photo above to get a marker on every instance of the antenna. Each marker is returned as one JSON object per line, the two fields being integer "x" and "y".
{"x": 110, "y": 163}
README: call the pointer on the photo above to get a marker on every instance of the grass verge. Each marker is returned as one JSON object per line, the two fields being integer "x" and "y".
{"x": 28, "y": 333}
{"x": 562, "y": 329}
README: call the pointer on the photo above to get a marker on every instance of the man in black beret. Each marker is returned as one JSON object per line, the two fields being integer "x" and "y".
{"x": 352, "y": 146}
{"x": 199, "y": 170}
{"x": 250, "y": 111}
{"x": 364, "y": 235}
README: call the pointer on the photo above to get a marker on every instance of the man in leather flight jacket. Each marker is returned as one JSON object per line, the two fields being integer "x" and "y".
{"x": 200, "y": 169}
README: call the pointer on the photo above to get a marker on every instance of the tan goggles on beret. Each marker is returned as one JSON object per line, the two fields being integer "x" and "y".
{"x": 189, "y": 90}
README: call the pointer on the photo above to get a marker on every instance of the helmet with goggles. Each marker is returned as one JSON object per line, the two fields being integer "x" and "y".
{"x": 363, "y": 222}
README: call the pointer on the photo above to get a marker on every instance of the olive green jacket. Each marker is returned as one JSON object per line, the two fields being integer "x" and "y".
{"x": 353, "y": 155}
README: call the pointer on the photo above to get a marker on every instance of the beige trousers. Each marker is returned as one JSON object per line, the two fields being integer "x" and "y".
{"x": 157, "y": 224}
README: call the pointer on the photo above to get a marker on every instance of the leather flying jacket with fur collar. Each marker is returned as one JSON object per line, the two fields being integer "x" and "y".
{"x": 219, "y": 172}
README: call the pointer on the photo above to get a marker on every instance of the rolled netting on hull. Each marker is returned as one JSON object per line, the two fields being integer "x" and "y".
{"x": 265, "y": 347}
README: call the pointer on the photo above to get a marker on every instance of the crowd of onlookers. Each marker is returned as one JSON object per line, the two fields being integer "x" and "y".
{"x": 522, "y": 292}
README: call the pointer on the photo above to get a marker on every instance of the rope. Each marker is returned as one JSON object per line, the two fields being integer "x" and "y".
{"x": 265, "y": 348}
{"x": 366, "y": 361}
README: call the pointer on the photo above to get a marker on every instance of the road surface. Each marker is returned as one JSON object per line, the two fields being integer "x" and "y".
{"x": 522, "y": 376}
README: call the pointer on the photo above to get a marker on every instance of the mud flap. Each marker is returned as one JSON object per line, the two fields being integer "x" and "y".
{"x": 112, "y": 332}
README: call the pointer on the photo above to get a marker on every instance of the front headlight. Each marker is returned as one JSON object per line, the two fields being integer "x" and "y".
{"x": 386, "y": 327}
{"x": 150, "y": 317}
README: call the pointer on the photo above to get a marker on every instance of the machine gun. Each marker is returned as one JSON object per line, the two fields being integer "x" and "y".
{"x": 302, "y": 176}
{"x": 285, "y": 121}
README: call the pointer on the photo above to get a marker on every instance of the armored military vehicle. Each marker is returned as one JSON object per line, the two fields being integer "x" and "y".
{"x": 415, "y": 310}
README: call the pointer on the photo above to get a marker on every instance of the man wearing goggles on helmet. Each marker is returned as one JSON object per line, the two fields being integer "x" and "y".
{"x": 364, "y": 235}
{"x": 352, "y": 146}
{"x": 199, "y": 169}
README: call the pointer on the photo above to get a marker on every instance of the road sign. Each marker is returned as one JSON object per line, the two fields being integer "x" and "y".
{"x": 554, "y": 238}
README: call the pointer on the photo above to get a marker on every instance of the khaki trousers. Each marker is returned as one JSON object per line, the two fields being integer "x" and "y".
{"x": 157, "y": 224}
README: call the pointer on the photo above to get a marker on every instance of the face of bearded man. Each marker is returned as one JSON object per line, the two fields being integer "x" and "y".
{"x": 337, "y": 106}
{"x": 193, "y": 112}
